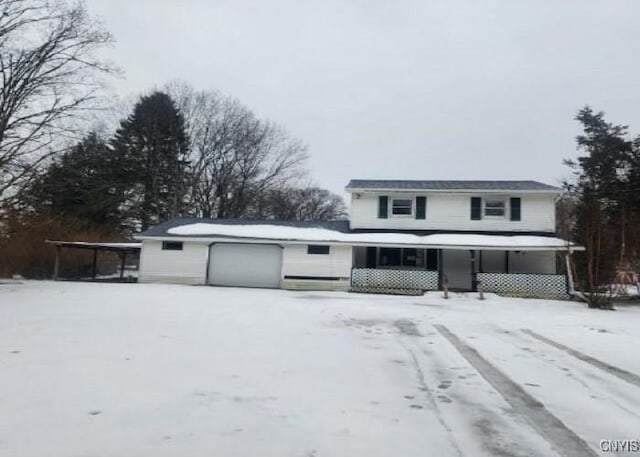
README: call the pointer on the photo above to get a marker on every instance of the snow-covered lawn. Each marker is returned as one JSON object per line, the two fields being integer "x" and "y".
{"x": 158, "y": 370}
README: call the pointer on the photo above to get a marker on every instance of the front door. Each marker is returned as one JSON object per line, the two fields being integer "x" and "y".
{"x": 456, "y": 266}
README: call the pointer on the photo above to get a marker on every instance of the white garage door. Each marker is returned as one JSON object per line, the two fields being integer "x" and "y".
{"x": 245, "y": 265}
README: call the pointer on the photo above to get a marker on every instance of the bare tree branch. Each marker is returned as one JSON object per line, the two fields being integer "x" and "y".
{"x": 49, "y": 74}
{"x": 235, "y": 156}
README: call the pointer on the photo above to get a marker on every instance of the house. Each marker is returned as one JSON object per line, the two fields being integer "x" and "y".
{"x": 402, "y": 236}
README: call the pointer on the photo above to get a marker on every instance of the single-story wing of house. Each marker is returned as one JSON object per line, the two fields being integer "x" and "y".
{"x": 333, "y": 256}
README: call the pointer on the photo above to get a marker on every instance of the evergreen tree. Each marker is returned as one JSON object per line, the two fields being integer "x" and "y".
{"x": 83, "y": 184}
{"x": 602, "y": 196}
{"x": 152, "y": 147}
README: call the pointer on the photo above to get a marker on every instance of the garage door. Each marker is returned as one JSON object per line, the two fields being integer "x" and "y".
{"x": 245, "y": 265}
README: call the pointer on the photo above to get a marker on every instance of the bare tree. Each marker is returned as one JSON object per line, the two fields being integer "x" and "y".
{"x": 49, "y": 74}
{"x": 235, "y": 156}
{"x": 302, "y": 204}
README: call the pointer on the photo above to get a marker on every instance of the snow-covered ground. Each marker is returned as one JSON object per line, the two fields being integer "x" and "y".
{"x": 159, "y": 370}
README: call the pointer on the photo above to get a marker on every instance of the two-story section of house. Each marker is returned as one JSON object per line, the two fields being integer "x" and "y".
{"x": 458, "y": 211}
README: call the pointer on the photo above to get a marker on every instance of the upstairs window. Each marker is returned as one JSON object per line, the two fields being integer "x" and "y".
{"x": 172, "y": 245}
{"x": 401, "y": 207}
{"x": 494, "y": 208}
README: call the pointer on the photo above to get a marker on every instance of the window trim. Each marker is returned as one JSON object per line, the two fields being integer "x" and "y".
{"x": 175, "y": 246}
{"x": 502, "y": 200}
{"x": 312, "y": 247}
{"x": 412, "y": 206}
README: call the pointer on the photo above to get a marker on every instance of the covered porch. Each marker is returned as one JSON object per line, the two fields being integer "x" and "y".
{"x": 528, "y": 271}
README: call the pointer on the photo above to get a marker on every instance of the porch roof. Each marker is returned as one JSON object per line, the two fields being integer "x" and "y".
{"x": 252, "y": 233}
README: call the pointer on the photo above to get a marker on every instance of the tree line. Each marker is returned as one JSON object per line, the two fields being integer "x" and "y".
{"x": 179, "y": 152}
{"x": 190, "y": 154}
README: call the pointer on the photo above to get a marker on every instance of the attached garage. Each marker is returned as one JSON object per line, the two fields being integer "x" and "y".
{"x": 245, "y": 265}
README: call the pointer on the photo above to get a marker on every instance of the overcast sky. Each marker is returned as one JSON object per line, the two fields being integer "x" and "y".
{"x": 402, "y": 89}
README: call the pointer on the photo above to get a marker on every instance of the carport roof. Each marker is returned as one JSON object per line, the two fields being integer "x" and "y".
{"x": 97, "y": 246}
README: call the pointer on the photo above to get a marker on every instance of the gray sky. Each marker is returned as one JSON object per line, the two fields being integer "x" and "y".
{"x": 398, "y": 89}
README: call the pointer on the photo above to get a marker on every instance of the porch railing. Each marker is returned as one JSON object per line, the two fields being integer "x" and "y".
{"x": 529, "y": 285}
{"x": 393, "y": 281}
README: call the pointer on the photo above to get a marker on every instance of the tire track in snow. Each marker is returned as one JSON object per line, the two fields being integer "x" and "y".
{"x": 409, "y": 328}
{"x": 616, "y": 397}
{"x": 479, "y": 425}
{"x": 611, "y": 369}
{"x": 546, "y": 424}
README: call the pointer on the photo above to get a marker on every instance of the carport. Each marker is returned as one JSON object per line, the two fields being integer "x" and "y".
{"x": 122, "y": 249}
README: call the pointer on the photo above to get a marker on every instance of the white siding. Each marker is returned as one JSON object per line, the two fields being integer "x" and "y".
{"x": 532, "y": 262}
{"x": 336, "y": 264}
{"x": 453, "y": 212}
{"x": 493, "y": 261}
{"x": 296, "y": 262}
{"x": 188, "y": 266}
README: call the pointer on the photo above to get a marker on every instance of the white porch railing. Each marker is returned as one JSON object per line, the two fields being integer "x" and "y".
{"x": 525, "y": 284}
{"x": 378, "y": 280}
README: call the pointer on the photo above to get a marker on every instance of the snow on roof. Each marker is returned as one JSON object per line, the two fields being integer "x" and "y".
{"x": 282, "y": 233}
{"x": 163, "y": 228}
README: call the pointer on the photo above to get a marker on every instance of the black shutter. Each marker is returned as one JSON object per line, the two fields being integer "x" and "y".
{"x": 383, "y": 207}
{"x": 515, "y": 209}
{"x": 421, "y": 207}
{"x": 476, "y": 208}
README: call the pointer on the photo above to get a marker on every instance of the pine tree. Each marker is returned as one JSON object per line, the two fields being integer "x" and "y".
{"x": 83, "y": 184}
{"x": 602, "y": 195}
{"x": 152, "y": 147}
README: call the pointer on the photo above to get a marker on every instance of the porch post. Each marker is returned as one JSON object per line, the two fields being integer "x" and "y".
{"x": 94, "y": 264}
{"x": 506, "y": 261}
{"x": 474, "y": 282}
{"x": 439, "y": 269}
{"x": 123, "y": 258}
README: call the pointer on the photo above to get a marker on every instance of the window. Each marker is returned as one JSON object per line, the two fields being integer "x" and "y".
{"x": 317, "y": 249}
{"x": 402, "y": 257}
{"x": 494, "y": 208}
{"x": 390, "y": 257}
{"x": 401, "y": 206}
{"x": 172, "y": 245}
{"x": 412, "y": 257}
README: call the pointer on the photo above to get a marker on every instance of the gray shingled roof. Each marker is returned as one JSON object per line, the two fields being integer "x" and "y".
{"x": 163, "y": 229}
{"x": 489, "y": 185}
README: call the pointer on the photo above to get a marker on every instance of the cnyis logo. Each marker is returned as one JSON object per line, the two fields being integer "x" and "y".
{"x": 620, "y": 445}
